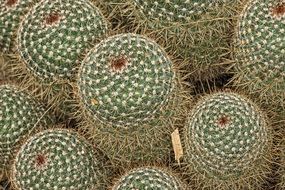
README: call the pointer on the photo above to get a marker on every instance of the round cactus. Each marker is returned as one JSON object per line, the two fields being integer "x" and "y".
{"x": 20, "y": 115}
{"x": 198, "y": 31}
{"x": 131, "y": 98}
{"x": 125, "y": 80}
{"x": 58, "y": 159}
{"x": 227, "y": 142}
{"x": 11, "y": 14}
{"x": 148, "y": 178}
{"x": 54, "y": 35}
{"x": 260, "y": 49}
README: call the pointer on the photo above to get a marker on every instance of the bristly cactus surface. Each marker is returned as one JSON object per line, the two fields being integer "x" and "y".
{"x": 58, "y": 159}
{"x": 55, "y": 35}
{"x": 11, "y": 14}
{"x": 199, "y": 32}
{"x": 227, "y": 143}
{"x": 148, "y": 178}
{"x": 260, "y": 49}
{"x": 126, "y": 80}
{"x": 131, "y": 98}
{"x": 20, "y": 115}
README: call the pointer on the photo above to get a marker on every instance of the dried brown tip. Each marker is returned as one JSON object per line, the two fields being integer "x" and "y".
{"x": 10, "y": 3}
{"x": 119, "y": 64}
{"x": 52, "y": 19}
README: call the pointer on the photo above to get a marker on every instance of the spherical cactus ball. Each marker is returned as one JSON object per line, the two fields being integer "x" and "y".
{"x": 55, "y": 35}
{"x": 125, "y": 80}
{"x": 148, "y": 178}
{"x": 260, "y": 49}
{"x": 11, "y": 14}
{"x": 20, "y": 115}
{"x": 227, "y": 141}
{"x": 58, "y": 159}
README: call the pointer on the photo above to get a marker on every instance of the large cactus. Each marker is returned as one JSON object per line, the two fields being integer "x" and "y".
{"x": 148, "y": 178}
{"x": 199, "y": 32}
{"x": 260, "y": 49}
{"x": 20, "y": 116}
{"x": 11, "y": 14}
{"x": 128, "y": 88}
{"x": 227, "y": 142}
{"x": 58, "y": 159}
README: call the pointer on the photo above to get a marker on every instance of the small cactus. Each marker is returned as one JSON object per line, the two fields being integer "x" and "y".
{"x": 227, "y": 142}
{"x": 54, "y": 35}
{"x": 148, "y": 178}
{"x": 199, "y": 32}
{"x": 130, "y": 97}
{"x": 20, "y": 115}
{"x": 260, "y": 49}
{"x": 58, "y": 159}
{"x": 11, "y": 14}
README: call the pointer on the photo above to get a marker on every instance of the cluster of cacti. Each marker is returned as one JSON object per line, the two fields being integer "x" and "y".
{"x": 11, "y": 14}
{"x": 58, "y": 159}
{"x": 198, "y": 32}
{"x": 148, "y": 178}
{"x": 20, "y": 116}
{"x": 126, "y": 87}
{"x": 121, "y": 74}
{"x": 227, "y": 142}
{"x": 260, "y": 49}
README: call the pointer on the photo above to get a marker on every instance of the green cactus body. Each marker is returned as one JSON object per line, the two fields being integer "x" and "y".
{"x": 125, "y": 80}
{"x": 260, "y": 49}
{"x": 58, "y": 159}
{"x": 11, "y": 14}
{"x": 148, "y": 178}
{"x": 20, "y": 115}
{"x": 54, "y": 36}
{"x": 227, "y": 141}
{"x": 199, "y": 32}
{"x": 130, "y": 96}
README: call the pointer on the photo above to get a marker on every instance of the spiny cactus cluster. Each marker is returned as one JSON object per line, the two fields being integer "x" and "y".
{"x": 125, "y": 80}
{"x": 58, "y": 159}
{"x": 227, "y": 141}
{"x": 148, "y": 178}
{"x": 260, "y": 49}
{"x": 20, "y": 116}
{"x": 54, "y": 35}
{"x": 11, "y": 14}
{"x": 197, "y": 31}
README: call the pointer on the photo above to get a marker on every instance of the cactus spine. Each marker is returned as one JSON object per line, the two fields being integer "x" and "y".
{"x": 58, "y": 159}
{"x": 227, "y": 142}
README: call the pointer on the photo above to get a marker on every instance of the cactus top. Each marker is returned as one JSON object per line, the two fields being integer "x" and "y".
{"x": 148, "y": 178}
{"x": 55, "y": 34}
{"x": 225, "y": 134}
{"x": 19, "y": 115}
{"x": 125, "y": 80}
{"x": 11, "y": 13}
{"x": 57, "y": 159}
{"x": 173, "y": 11}
{"x": 261, "y": 44}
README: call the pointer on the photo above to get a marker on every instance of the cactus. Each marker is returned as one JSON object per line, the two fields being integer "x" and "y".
{"x": 260, "y": 50}
{"x": 58, "y": 159}
{"x": 227, "y": 142}
{"x": 52, "y": 41}
{"x": 11, "y": 14}
{"x": 20, "y": 115}
{"x": 199, "y": 32}
{"x": 130, "y": 95}
{"x": 55, "y": 34}
{"x": 148, "y": 178}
